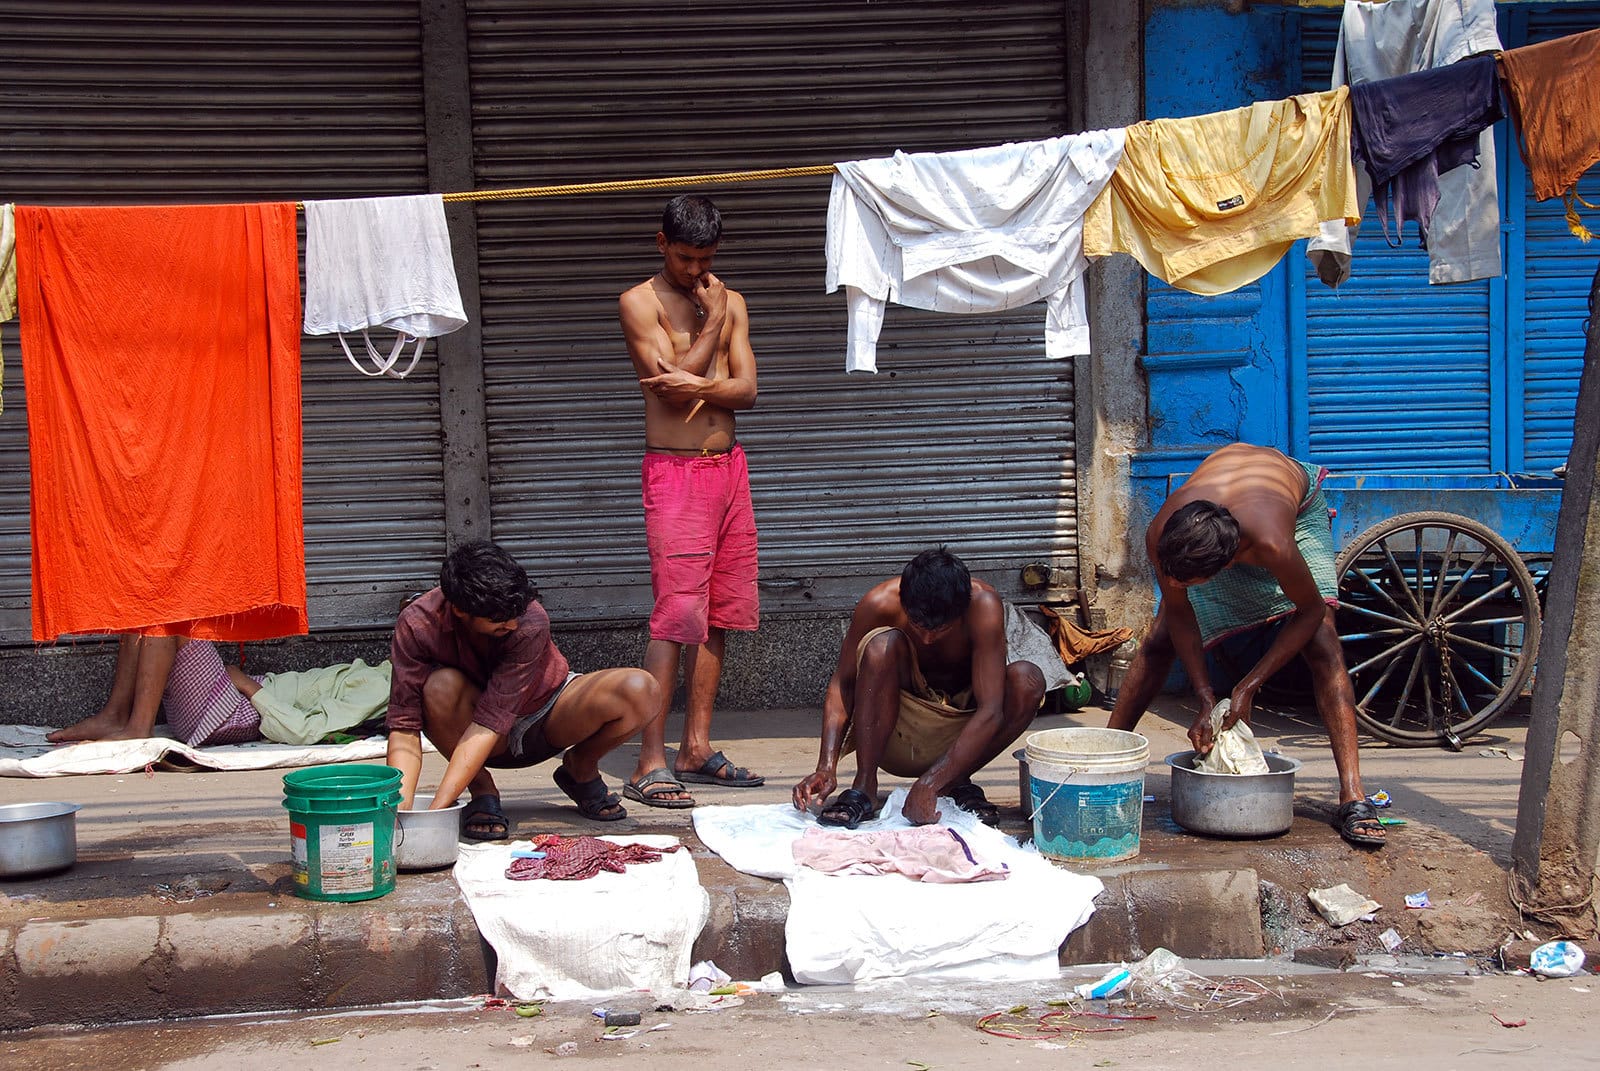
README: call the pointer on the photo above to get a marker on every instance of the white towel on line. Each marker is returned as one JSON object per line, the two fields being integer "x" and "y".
{"x": 850, "y": 928}
{"x": 977, "y": 231}
{"x": 588, "y": 939}
{"x": 382, "y": 262}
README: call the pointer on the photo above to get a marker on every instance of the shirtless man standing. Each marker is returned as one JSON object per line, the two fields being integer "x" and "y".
{"x": 689, "y": 339}
{"x": 1245, "y": 541}
{"x": 924, "y": 688}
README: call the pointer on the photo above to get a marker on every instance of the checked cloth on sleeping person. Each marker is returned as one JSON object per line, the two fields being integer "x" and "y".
{"x": 1242, "y": 597}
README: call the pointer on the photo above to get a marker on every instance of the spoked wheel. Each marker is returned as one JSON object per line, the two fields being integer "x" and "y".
{"x": 1439, "y": 619}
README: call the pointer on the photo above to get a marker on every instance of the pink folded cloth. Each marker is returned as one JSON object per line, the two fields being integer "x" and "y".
{"x": 933, "y": 854}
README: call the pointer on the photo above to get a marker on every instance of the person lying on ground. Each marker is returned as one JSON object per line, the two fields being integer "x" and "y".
{"x": 207, "y": 703}
{"x": 1244, "y": 542}
{"x": 477, "y": 672}
{"x": 922, "y": 689}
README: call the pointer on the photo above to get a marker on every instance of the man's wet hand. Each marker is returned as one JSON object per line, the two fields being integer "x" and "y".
{"x": 674, "y": 386}
{"x": 1240, "y": 705}
{"x": 816, "y": 786}
{"x": 1200, "y": 732}
{"x": 921, "y": 806}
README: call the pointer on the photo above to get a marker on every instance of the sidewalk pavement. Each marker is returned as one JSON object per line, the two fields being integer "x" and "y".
{"x": 180, "y": 903}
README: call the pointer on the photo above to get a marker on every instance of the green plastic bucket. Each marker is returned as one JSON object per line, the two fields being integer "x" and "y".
{"x": 341, "y": 830}
{"x": 1086, "y": 793}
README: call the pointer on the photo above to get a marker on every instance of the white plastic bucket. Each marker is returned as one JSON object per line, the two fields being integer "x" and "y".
{"x": 1086, "y": 793}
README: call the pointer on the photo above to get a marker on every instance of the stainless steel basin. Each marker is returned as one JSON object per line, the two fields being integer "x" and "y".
{"x": 1233, "y": 805}
{"x": 36, "y": 838}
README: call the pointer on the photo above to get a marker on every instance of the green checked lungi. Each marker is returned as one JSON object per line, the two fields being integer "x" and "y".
{"x": 1243, "y": 597}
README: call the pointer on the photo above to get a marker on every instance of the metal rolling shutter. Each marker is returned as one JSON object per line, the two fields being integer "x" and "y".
{"x": 118, "y": 103}
{"x": 1398, "y": 372}
{"x": 1557, "y": 272}
{"x": 965, "y": 436}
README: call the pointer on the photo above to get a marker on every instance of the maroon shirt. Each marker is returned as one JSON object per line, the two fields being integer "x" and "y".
{"x": 518, "y": 672}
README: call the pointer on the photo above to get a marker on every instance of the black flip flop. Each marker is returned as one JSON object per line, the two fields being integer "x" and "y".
{"x": 594, "y": 801}
{"x": 970, "y": 798}
{"x": 849, "y": 808}
{"x": 653, "y": 786}
{"x": 485, "y": 811}
{"x": 1349, "y": 819}
{"x": 719, "y": 770}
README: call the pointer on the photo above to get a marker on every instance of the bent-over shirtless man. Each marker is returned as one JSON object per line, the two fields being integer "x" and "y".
{"x": 1244, "y": 541}
{"x": 922, "y": 690}
{"x": 689, "y": 338}
{"x": 476, "y": 670}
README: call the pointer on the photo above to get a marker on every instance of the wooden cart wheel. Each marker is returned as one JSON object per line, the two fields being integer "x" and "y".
{"x": 1439, "y": 619}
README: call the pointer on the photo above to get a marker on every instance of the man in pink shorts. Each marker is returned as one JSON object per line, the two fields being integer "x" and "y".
{"x": 689, "y": 339}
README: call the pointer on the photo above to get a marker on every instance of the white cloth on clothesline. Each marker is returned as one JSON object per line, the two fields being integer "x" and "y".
{"x": 1387, "y": 40}
{"x": 850, "y": 928}
{"x": 381, "y": 262}
{"x": 590, "y": 939}
{"x": 976, "y": 231}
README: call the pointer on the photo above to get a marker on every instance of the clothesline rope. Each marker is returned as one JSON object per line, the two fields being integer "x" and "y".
{"x": 621, "y": 185}
{"x": 666, "y": 182}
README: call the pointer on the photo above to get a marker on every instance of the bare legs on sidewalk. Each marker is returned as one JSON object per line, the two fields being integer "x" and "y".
{"x": 143, "y": 664}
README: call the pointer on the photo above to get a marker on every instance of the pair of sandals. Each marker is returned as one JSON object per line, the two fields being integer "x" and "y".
{"x": 484, "y": 819}
{"x": 657, "y": 787}
{"x": 850, "y": 808}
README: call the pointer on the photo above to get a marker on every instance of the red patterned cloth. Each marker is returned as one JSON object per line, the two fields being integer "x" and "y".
{"x": 576, "y": 858}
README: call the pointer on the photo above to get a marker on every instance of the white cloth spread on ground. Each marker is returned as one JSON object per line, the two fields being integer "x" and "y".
{"x": 851, "y": 928}
{"x": 977, "y": 231}
{"x": 28, "y": 754}
{"x": 1395, "y": 37}
{"x": 589, "y": 939}
{"x": 381, "y": 262}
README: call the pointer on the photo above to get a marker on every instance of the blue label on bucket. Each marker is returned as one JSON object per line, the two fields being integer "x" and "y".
{"x": 1087, "y": 821}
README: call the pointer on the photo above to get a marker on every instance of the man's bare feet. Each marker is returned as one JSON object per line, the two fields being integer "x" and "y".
{"x": 100, "y": 726}
{"x": 128, "y": 732}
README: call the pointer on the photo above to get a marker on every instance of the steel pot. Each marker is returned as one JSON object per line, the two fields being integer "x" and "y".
{"x": 428, "y": 840}
{"x": 1233, "y": 805}
{"x": 36, "y": 838}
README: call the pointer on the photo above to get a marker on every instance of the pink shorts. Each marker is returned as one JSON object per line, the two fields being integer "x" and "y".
{"x": 702, "y": 534}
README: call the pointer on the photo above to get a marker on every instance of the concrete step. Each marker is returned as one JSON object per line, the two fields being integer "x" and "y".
{"x": 420, "y": 943}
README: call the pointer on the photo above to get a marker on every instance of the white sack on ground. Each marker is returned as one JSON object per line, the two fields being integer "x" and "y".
{"x": 853, "y": 928}
{"x": 28, "y": 754}
{"x": 588, "y": 939}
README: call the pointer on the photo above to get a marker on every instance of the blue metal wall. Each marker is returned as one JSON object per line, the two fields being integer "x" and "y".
{"x": 1216, "y": 366}
{"x": 1387, "y": 374}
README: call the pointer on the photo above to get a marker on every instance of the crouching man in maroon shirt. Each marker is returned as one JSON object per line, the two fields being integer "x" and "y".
{"x": 475, "y": 669}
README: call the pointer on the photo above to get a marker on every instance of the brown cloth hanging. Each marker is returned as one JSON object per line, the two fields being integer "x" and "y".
{"x": 1075, "y": 643}
{"x": 1554, "y": 88}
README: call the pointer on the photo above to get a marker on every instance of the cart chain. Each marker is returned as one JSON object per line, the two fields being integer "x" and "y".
{"x": 1440, "y": 633}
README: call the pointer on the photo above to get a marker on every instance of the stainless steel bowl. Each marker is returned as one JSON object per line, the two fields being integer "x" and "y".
{"x": 36, "y": 838}
{"x": 1233, "y": 805}
{"x": 427, "y": 840}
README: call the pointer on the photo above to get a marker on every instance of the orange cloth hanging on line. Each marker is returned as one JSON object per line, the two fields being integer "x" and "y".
{"x": 1554, "y": 89}
{"x": 161, "y": 349}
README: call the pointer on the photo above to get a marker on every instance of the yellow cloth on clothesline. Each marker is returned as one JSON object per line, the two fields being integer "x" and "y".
{"x": 1210, "y": 203}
